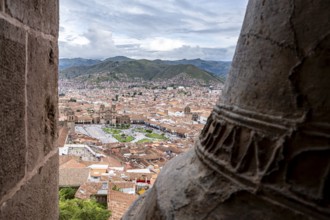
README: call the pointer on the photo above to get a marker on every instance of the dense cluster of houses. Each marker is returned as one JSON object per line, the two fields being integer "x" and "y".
{"x": 117, "y": 173}
{"x": 115, "y": 184}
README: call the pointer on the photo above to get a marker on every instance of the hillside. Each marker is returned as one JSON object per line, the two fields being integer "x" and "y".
{"x": 144, "y": 69}
{"x": 191, "y": 70}
{"x": 123, "y": 68}
{"x": 118, "y": 59}
{"x": 219, "y": 68}
{"x": 66, "y": 63}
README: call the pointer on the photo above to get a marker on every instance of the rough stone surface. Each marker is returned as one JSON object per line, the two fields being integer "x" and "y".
{"x": 42, "y": 117}
{"x": 197, "y": 192}
{"x": 308, "y": 34}
{"x": 265, "y": 150}
{"x": 41, "y": 15}
{"x": 28, "y": 109}
{"x": 37, "y": 198}
{"x": 12, "y": 105}
{"x": 266, "y": 69}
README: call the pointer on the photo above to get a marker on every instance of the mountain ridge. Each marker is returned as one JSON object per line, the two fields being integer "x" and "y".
{"x": 71, "y": 62}
{"x": 219, "y": 68}
{"x": 124, "y": 68}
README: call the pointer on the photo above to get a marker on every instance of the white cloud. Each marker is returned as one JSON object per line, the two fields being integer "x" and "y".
{"x": 137, "y": 11}
{"x": 79, "y": 40}
{"x": 164, "y": 29}
{"x": 161, "y": 44}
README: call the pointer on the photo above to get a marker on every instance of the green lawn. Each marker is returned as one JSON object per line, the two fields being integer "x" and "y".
{"x": 144, "y": 140}
{"x": 156, "y": 136}
{"x": 123, "y": 138}
{"x": 111, "y": 130}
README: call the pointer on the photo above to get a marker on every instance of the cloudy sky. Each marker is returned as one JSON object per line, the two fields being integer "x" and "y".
{"x": 151, "y": 29}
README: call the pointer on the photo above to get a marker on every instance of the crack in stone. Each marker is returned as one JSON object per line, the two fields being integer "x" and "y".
{"x": 294, "y": 75}
{"x": 272, "y": 41}
{"x": 299, "y": 54}
{"x": 317, "y": 44}
{"x": 219, "y": 203}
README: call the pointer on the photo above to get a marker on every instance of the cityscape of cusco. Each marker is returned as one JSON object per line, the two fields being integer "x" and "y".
{"x": 164, "y": 110}
{"x": 116, "y": 132}
{"x": 126, "y": 104}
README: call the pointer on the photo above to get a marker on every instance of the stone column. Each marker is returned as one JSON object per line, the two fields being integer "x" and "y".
{"x": 28, "y": 109}
{"x": 265, "y": 150}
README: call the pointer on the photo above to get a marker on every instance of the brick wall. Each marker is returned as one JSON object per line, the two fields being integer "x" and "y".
{"x": 28, "y": 109}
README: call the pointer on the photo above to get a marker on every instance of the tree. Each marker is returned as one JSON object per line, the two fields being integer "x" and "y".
{"x": 78, "y": 209}
{"x": 67, "y": 193}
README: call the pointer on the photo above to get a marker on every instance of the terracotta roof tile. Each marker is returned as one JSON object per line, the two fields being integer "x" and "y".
{"x": 73, "y": 177}
{"x": 121, "y": 184}
{"x": 118, "y": 203}
{"x": 112, "y": 162}
{"x": 88, "y": 189}
{"x": 62, "y": 136}
{"x": 73, "y": 163}
{"x": 65, "y": 158}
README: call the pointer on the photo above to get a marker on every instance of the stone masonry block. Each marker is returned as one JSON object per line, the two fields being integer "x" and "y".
{"x": 38, "y": 198}
{"x": 42, "y": 98}
{"x": 12, "y": 106}
{"x": 41, "y": 15}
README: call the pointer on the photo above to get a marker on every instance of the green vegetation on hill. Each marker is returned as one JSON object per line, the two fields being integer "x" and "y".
{"x": 190, "y": 70}
{"x": 118, "y": 59}
{"x": 144, "y": 69}
{"x": 66, "y": 63}
{"x": 219, "y": 68}
{"x": 121, "y": 68}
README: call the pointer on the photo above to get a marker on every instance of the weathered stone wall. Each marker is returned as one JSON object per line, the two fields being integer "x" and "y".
{"x": 265, "y": 150}
{"x": 28, "y": 109}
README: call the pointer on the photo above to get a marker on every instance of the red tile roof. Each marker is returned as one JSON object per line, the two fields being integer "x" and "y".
{"x": 88, "y": 189}
{"x": 62, "y": 136}
{"x": 118, "y": 203}
{"x": 73, "y": 177}
{"x": 73, "y": 163}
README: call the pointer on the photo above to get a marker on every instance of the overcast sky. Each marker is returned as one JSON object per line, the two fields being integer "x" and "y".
{"x": 154, "y": 29}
